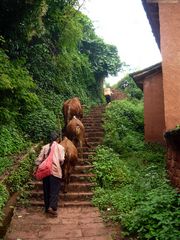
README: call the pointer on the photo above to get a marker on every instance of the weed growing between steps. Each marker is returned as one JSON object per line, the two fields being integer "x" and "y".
{"x": 132, "y": 185}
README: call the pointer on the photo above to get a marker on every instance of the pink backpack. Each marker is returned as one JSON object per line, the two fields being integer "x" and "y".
{"x": 45, "y": 168}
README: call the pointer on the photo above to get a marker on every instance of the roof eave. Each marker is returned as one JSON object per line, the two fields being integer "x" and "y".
{"x": 152, "y": 12}
{"x": 139, "y": 76}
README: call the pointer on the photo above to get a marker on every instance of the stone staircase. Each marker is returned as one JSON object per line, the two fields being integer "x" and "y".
{"x": 79, "y": 190}
{"x": 77, "y": 218}
{"x": 117, "y": 95}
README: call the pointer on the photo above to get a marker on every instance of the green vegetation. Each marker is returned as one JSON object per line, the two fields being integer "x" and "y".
{"x": 39, "y": 124}
{"x": 5, "y": 163}
{"x": 124, "y": 121}
{"x": 16, "y": 178}
{"x": 3, "y": 198}
{"x": 128, "y": 86}
{"x": 22, "y": 174}
{"x": 11, "y": 140}
{"x": 49, "y": 52}
{"x": 132, "y": 185}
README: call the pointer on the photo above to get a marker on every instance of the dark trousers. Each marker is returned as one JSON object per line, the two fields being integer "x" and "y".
{"x": 108, "y": 98}
{"x": 51, "y": 188}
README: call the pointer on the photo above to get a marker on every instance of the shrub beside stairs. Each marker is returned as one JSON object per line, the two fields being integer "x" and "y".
{"x": 79, "y": 190}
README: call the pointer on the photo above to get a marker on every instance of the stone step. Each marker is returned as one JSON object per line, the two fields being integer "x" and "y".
{"x": 94, "y": 134}
{"x": 80, "y": 186}
{"x": 92, "y": 145}
{"x": 85, "y": 161}
{"x": 69, "y": 196}
{"x": 96, "y": 114}
{"x": 92, "y": 125}
{"x": 92, "y": 121}
{"x": 95, "y": 144}
{"x": 92, "y": 118}
{"x": 99, "y": 109}
{"x": 86, "y": 154}
{"x": 76, "y": 204}
{"x": 93, "y": 129}
{"x": 94, "y": 139}
{"x": 95, "y": 122}
{"x": 76, "y": 196}
{"x": 81, "y": 177}
{"x": 63, "y": 203}
{"x": 72, "y": 187}
{"x": 82, "y": 168}
{"x": 87, "y": 149}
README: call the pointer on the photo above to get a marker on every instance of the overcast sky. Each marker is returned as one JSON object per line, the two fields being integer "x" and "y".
{"x": 124, "y": 24}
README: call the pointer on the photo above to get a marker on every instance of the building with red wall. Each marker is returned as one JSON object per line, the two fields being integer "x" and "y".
{"x": 161, "y": 83}
{"x": 150, "y": 81}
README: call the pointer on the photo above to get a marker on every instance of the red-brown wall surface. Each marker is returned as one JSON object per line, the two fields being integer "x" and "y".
{"x": 154, "y": 109}
{"x": 170, "y": 50}
{"x": 173, "y": 166}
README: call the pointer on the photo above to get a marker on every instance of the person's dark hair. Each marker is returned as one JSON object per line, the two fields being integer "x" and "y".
{"x": 53, "y": 137}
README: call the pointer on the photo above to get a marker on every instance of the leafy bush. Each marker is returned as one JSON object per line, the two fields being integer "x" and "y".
{"x": 15, "y": 89}
{"x": 11, "y": 140}
{"x": 5, "y": 163}
{"x": 124, "y": 126}
{"x": 102, "y": 198}
{"x": 39, "y": 124}
{"x": 156, "y": 215}
{"x": 22, "y": 174}
{"x": 109, "y": 169}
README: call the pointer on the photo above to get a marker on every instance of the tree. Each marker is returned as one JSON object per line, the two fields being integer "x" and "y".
{"x": 16, "y": 87}
{"x": 102, "y": 56}
{"x": 128, "y": 86}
